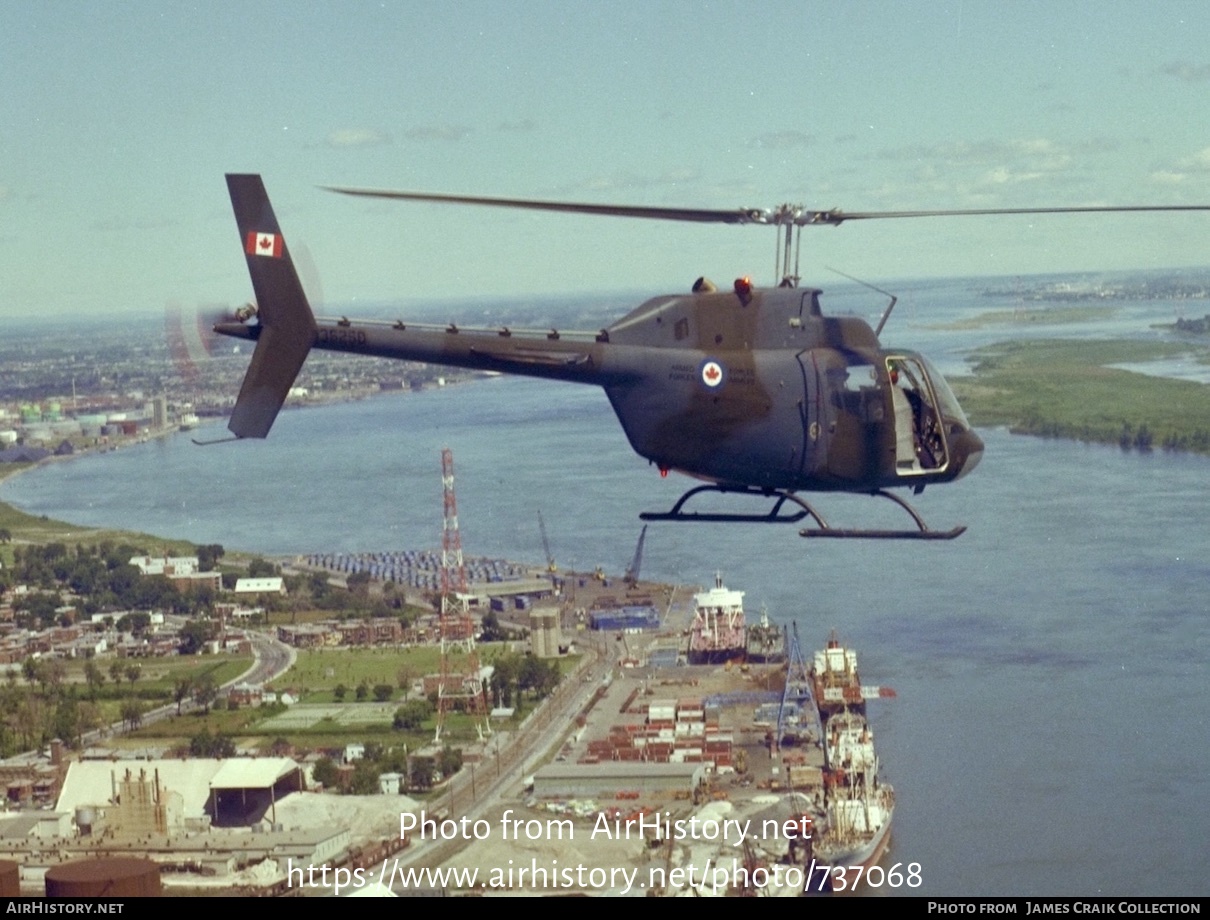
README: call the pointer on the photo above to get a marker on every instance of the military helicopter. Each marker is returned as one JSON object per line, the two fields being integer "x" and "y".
{"x": 753, "y": 390}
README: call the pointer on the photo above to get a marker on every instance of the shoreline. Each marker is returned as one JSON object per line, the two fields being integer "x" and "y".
{"x": 36, "y": 523}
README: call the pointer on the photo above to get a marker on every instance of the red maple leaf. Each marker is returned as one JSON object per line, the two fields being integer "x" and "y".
{"x": 712, "y": 373}
{"x": 265, "y": 242}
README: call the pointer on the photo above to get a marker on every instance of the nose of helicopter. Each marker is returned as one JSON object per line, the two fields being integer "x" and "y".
{"x": 966, "y": 449}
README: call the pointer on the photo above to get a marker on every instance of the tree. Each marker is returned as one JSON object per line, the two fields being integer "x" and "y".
{"x": 449, "y": 761}
{"x": 363, "y": 690}
{"x": 318, "y": 586}
{"x": 205, "y": 691}
{"x": 492, "y": 630}
{"x": 195, "y": 634}
{"x": 281, "y": 746}
{"x": 365, "y": 777}
{"x": 339, "y": 691}
{"x": 133, "y": 672}
{"x": 411, "y": 715}
{"x": 37, "y": 609}
{"x": 181, "y": 690}
{"x": 91, "y": 717}
{"x": 134, "y": 623}
{"x": 423, "y": 771}
{"x": 538, "y": 676}
{"x": 132, "y": 714}
{"x": 505, "y": 670}
{"x": 54, "y": 672}
{"x": 382, "y": 692}
{"x": 94, "y": 677}
{"x": 359, "y": 584}
{"x": 204, "y": 744}
{"x": 66, "y": 721}
{"x": 208, "y": 556}
{"x": 261, "y": 568}
{"x": 326, "y": 772}
{"x": 31, "y": 670}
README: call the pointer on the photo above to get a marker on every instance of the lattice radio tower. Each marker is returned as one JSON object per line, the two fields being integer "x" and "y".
{"x": 461, "y": 687}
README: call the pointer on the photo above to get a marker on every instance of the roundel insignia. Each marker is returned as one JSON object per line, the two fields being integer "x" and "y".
{"x": 712, "y": 373}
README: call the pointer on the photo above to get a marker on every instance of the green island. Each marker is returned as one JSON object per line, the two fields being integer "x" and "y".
{"x": 1069, "y": 389}
{"x": 1030, "y": 316}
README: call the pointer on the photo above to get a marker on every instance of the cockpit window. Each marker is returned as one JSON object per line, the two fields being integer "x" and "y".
{"x": 857, "y": 377}
{"x": 946, "y": 401}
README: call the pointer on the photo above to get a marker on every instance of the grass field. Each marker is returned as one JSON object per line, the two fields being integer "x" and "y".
{"x": 159, "y": 675}
{"x": 317, "y": 672}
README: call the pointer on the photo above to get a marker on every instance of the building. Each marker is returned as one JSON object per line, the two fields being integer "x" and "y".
{"x": 275, "y": 585}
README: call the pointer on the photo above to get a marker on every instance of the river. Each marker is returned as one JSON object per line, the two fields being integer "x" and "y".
{"x": 1052, "y": 725}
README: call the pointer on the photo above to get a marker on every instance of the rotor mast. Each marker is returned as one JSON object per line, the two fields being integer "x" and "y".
{"x": 789, "y": 238}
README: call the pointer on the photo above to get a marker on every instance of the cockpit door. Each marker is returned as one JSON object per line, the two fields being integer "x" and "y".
{"x": 919, "y": 417}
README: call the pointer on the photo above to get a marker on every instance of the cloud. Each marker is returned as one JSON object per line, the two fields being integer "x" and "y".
{"x": 629, "y": 182}
{"x": 781, "y": 140}
{"x": 1186, "y": 72}
{"x": 445, "y": 133}
{"x": 524, "y": 126}
{"x": 1186, "y": 168}
{"x": 987, "y": 173}
{"x": 1043, "y": 153}
{"x": 1167, "y": 177}
{"x": 357, "y": 137}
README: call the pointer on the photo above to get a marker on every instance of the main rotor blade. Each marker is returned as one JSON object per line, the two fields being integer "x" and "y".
{"x": 837, "y": 216}
{"x": 782, "y": 215}
{"x": 698, "y": 215}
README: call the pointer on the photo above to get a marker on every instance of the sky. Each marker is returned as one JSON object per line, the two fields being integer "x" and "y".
{"x": 118, "y": 121}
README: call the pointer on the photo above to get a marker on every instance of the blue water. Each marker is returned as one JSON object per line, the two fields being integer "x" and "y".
{"x": 1051, "y": 731}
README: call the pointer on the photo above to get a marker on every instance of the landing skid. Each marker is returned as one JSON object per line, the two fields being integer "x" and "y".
{"x": 776, "y": 515}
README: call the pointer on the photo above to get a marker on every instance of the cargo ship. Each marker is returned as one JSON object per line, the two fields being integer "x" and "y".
{"x": 857, "y": 820}
{"x": 858, "y": 805}
{"x": 718, "y": 633}
{"x": 836, "y": 683}
{"x": 766, "y": 641}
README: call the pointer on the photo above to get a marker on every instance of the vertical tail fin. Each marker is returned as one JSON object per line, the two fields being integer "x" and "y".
{"x": 287, "y": 326}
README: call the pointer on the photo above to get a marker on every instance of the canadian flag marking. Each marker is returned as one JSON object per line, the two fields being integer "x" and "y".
{"x": 264, "y": 244}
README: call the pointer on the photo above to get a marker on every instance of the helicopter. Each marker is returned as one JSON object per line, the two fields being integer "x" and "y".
{"x": 753, "y": 390}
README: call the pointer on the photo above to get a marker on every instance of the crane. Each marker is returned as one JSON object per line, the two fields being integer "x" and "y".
{"x": 632, "y": 574}
{"x": 550, "y": 559}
